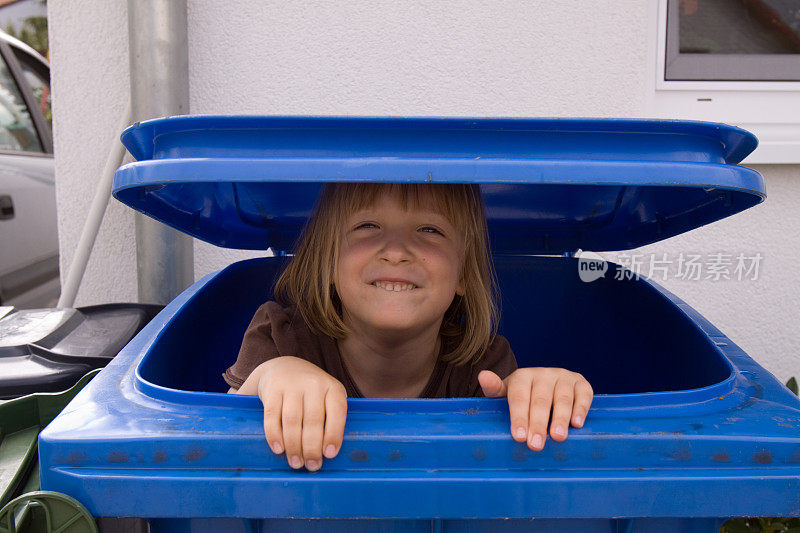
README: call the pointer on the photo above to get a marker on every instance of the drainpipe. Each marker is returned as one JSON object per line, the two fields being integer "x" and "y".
{"x": 159, "y": 70}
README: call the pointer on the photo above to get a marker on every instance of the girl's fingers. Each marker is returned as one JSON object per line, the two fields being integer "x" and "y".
{"x": 563, "y": 395}
{"x": 583, "y": 400}
{"x": 292, "y": 421}
{"x": 519, "y": 399}
{"x": 273, "y": 405}
{"x": 491, "y": 384}
{"x": 313, "y": 422}
{"x": 541, "y": 400}
{"x": 335, "y": 416}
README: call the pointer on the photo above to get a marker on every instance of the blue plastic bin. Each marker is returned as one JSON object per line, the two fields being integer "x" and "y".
{"x": 685, "y": 430}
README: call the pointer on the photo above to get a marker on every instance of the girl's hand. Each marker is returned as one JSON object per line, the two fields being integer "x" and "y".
{"x": 304, "y": 409}
{"x": 531, "y": 392}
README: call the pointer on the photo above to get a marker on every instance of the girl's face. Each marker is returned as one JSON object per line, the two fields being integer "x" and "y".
{"x": 398, "y": 270}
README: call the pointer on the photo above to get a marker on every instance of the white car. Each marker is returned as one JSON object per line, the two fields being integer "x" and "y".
{"x": 28, "y": 235}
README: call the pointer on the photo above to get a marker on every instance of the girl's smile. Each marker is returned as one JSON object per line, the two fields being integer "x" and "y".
{"x": 394, "y": 285}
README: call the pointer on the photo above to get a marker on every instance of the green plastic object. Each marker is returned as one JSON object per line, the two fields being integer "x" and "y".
{"x": 45, "y": 512}
{"x": 22, "y": 507}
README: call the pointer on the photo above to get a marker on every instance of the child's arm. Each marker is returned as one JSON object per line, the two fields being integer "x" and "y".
{"x": 304, "y": 409}
{"x": 531, "y": 392}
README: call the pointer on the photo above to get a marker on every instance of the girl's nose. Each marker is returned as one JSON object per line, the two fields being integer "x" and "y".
{"x": 396, "y": 248}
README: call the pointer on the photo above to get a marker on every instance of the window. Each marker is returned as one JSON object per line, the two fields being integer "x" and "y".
{"x": 39, "y": 81}
{"x": 17, "y": 132}
{"x": 730, "y": 61}
{"x": 749, "y": 40}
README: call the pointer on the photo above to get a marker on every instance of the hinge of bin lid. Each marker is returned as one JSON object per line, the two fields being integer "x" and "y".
{"x": 277, "y": 252}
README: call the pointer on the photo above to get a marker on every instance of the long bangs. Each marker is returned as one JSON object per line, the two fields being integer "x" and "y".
{"x": 446, "y": 198}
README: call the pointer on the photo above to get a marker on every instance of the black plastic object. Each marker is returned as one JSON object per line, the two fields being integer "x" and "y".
{"x": 48, "y": 350}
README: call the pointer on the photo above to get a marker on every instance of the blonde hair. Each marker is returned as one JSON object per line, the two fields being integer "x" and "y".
{"x": 469, "y": 324}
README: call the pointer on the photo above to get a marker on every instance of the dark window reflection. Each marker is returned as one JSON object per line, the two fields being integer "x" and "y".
{"x": 739, "y": 26}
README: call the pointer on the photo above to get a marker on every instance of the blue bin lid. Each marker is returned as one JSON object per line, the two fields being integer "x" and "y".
{"x": 550, "y": 185}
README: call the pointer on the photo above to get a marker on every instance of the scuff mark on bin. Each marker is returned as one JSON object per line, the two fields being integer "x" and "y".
{"x": 74, "y": 457}
{"x": 359, "y": 456}
{"x": 520, "y": 453}
{"x": 757, "y": 394}
{"x": 721, "y": 457}
{"x": 396, "y": 455}
{"x": 160, "y": 456}
{"x": 479, "y": 453}
{"x": 117, "y": 457}
{"x": 682, "y": 455}
{"x": 763, "y": 457}
{"x": 194, "y": 454}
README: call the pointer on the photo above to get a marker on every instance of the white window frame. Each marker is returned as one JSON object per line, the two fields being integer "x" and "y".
{"x": 771, "y": 110}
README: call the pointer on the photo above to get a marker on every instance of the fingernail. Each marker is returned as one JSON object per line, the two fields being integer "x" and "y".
{"x": 578, "y": 420}
{"x": 312, "y": 464}
{"x": 559, "y": 430}
{"x": 277, "y": 448}
{"x": 520, "y": 433}
{"x": 330, "y": 451}
{"x": 295, "y": 462}
{"x": 537, "y": 441}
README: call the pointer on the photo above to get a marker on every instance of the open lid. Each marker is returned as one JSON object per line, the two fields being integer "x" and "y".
{"x": 549, "y": 185}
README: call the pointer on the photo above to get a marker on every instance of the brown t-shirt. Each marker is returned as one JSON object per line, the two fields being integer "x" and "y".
{"x": 275, "y": 331}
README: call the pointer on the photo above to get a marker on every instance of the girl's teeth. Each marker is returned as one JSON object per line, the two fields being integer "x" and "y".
{"x": 395, "y": 287}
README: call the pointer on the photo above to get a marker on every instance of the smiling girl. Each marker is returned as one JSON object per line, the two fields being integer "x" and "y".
{"x": 391, "y": 294}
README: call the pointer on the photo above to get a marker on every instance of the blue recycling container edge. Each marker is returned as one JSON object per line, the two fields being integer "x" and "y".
{"x": 121, "y": 436}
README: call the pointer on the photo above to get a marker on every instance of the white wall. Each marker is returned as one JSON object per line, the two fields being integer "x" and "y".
{"x": 585, "y": 58}
{"x": 90, "y": 84}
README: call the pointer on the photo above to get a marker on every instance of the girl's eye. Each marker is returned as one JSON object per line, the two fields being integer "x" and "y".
{"x": 430, "y": 229}
{"x": 366, "y": 225}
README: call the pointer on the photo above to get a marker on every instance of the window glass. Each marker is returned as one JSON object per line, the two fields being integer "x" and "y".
{"x": 756, "y": 40}
{"x": 739, "y": 27}
{"x": 16, "y": 127}
{"x": 40, "y": 87}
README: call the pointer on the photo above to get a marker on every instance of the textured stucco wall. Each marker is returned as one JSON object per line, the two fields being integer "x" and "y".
{"x": 90, "y": 83}
{"x": 541, "y": 58}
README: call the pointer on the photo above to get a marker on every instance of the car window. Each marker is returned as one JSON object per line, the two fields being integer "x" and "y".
{"x": 40, "y": 85}
{"x": 17, "y": 132}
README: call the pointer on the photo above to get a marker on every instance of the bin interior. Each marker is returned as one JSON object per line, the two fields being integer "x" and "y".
{"x": 624, "y": 336}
